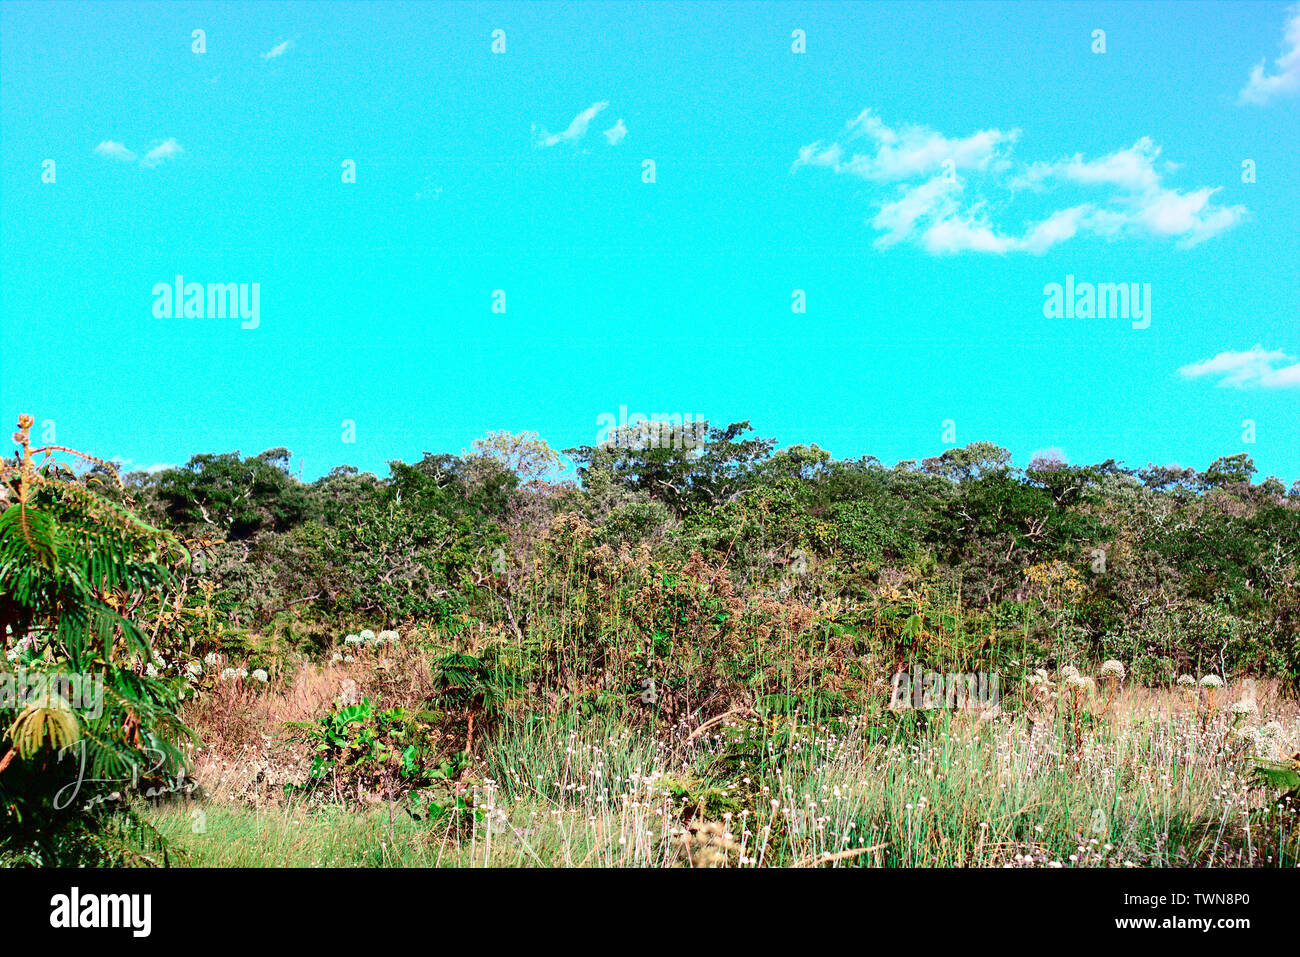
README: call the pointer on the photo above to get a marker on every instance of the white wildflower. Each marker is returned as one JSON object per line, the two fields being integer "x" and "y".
{"x": 1270, "y": 741}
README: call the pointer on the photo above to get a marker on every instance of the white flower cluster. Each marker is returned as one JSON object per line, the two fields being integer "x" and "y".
{"x": 1209, "y": 681}
{"x": 239, "y": 674}
{"x": 1040, "y": 680}
{"x": 153, "y": 667}
{"x": 368, "y": 637}
{"x": 1268, "y": 742}
{"x": 1082, "y": 682}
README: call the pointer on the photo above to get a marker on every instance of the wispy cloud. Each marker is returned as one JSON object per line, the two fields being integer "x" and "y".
{"x": 577, "y": 128}
{"x": 1258, "y": 367}
{"x": 125, "y": 466}
{"x": 165, "y": 150}
{"x": 278, "y": 50}
{"x": 945, "y": 190}
{"x": 1141, "y": 202}
{"x": 616, "y": 132}
{"x": 1285, "y": 78}
{"x": 114, "y": 150}
{"x": 901, "y": 154}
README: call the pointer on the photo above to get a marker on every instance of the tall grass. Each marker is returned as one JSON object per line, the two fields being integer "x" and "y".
{"x": 1152, "y": 784}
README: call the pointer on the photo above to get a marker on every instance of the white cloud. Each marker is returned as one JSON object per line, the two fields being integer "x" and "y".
{"x": 163, "y": 151}
{"x": 931, "y": 200}
{"x": 115, "y": 150}
{"x": 1265, "y": 368}
{"x": 125, "y": 466}
{"x": 1131, "y": 169}
{"x": 970, "y": 231}
{"x": 1140, "y": 202}
{"x": 1285, "y": 78}
{"x": 1191, "y": 217}
{"x": 1062, "y": 225}
{"x": 576, "y": 131}
{"x": 616, "y": 133}
{"x": 278, "y": 50}
{"x": 960, "y": 233}
{"x": 950, "y": 189}
{"x": 902, "y": 154}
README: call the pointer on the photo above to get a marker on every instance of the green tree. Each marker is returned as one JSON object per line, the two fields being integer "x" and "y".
{"x": 700, "y": 467}
{"x": 975, "y": 460}
{"x": 233, "y": 496}
{"x": 1229, "y": 471}
{"x": 525, "y": 454}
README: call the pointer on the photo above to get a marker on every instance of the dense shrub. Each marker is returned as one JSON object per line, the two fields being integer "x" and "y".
{"x": 1167, "y": 563}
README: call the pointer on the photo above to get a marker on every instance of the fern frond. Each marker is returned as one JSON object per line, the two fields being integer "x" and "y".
{"x": 48, "y": 719}
{"x": 48, "y": 450}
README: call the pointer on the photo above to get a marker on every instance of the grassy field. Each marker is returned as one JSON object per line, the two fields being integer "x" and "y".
{"x": 1158, "y": 778}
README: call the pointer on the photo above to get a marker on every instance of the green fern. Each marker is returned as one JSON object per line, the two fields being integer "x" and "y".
{"x": 1284, "y": 775}
{"x": 73, "y": 565}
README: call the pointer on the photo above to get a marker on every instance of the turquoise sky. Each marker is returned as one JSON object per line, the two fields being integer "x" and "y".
{"x": 921, "y": 172}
